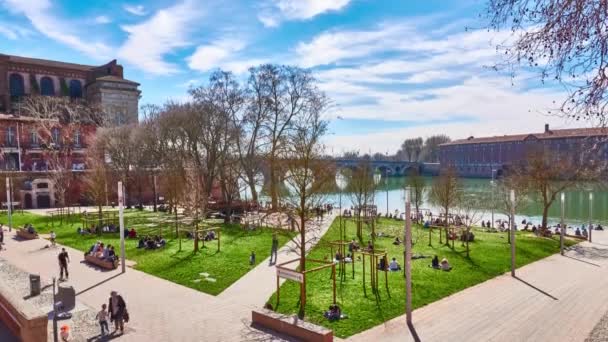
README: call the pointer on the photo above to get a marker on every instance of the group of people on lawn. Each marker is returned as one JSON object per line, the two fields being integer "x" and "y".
{"x": 100, "y": 251}
{"x": 148, "y": 242}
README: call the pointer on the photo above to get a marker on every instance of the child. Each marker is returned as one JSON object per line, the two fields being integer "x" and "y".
{"x": 53, "y": 237}
{"x": 102, "y": 317}
{"x": 65, "y": 333}
{"x": 252, "y": 258}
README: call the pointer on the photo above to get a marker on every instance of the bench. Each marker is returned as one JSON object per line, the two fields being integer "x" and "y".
{"x": 101, "y": 263}
{"x": 24, "y": 234}
{"x": 291, "y": 326}
{"x": 21, "y": 318}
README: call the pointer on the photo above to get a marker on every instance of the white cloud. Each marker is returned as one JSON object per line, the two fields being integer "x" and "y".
{"x": 102, "y": 19}
{"x": 8, "y": 32}
{"x": 161, "y": 34}
{"x": 38, "y": 13}
{"x": 207, "y": 57}
{"x": 275, "y": 11}
{"x": 137, "y": 10}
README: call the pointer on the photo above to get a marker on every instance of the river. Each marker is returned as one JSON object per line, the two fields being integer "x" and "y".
{"x": 576, "y": 202}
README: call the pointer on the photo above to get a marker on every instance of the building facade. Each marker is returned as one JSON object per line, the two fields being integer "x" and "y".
{"x": 27, "y": 150}
{"x": 492, "y": 156}
{"x": 103, "y": 86}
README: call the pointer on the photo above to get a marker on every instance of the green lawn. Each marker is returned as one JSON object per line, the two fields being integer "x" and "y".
{"x": 182, "y": 267}
{"x": 490, "y": 256}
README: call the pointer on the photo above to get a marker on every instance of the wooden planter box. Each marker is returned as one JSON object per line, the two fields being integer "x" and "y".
{"x": 22, "y": 233}
{"x": 291, "y": 326}
{"x": 101, "y": 263}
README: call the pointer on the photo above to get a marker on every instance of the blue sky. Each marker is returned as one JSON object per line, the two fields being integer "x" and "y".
{"x": 394, "y": 68}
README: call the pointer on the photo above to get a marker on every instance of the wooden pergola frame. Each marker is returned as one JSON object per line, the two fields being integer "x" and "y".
{"x": 219, "y": 235}
{"x": 374, "y": 257}
{"x": 341, "y": 244}
{"x": 325, "y": 264}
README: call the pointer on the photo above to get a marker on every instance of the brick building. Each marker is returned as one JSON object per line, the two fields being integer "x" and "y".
{"x": 23, "y": 146}
{"x": 491, "y": 156}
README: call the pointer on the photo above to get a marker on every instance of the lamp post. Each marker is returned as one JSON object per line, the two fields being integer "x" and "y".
{"x": 562, "y": 230}
{"x": 9, "y": 203}
{"x": 377, "y": 178}
{"x": 341, "y": 182}
{"x": 408, "y": 257}
{"x": 121, "y": 220}
{"x": 512, "y": 232}
{"x": 590, "y": 214}
{"x": 493, "y": 204}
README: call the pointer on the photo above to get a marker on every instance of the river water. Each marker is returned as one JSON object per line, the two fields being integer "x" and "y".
{"x": 576, "y": 202}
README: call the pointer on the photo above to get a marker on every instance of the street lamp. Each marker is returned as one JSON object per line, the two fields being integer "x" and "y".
{"x": 342, "y": 182}
{"x": 408, "y": 257}
{"x": 562, "y": 230}
{"x": 493, "y": 204}
{"x": 590, "y": 214}
{"x": 512, "y": 232}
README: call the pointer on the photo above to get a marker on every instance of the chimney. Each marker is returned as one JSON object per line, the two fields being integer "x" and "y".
{"x": 547, "y": 128}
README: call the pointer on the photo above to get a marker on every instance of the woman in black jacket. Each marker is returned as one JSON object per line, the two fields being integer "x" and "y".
{"x": 118, "y": 311}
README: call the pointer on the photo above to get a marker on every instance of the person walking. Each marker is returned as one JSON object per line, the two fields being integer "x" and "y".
{"x": 102, "y": 318}
{"x": 274, "y": 249}
{"x": 64, "y": 259}
{"x": 118, "y": 311}
{"x": 53, "y": 237}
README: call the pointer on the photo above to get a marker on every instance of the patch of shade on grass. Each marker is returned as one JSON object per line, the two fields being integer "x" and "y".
{"x": 489, "y": 257}
{"x": 179, "y": 266}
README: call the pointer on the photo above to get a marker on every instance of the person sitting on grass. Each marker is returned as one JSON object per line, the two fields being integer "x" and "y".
{"x": 150, "y": 244}
{"x": 334, "y": 313}
{"x": 599, "y": 227}
{"x": 435, "y": 262}
{"x": 348, "y": 258}
{"x": 210, "y": 235}
{"x": 252, "y": 258}
{"x": 132, "y": 233}
{"x": 445, "y": 265}
{"x": 161, "y": 242}
{"x": 141, "y": 243}
{"x": 397, "y": 241}
{"x": 382, "y": 264}
{"x": 394, "y": 266}
{"x": 370, "y": 246}
{"x": 338, "y": 257}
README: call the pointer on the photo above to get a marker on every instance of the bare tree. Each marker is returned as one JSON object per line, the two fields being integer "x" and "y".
{"x": 306, "y": 174}
{"x": 446, "y": 192}
{"x": 61, "y": 125}
{"x": 469, "y": 209}
{"x": 361, "y": 190}
{"x": 417, "y": 185}
{"x": 545, "y": 174}
{"x": 567, "y": 41}
{"x": 412, "y": 148}
{"x": 96, "y": 178}
{"x": 502, "y": 200}
{"x": 431, "y": 147}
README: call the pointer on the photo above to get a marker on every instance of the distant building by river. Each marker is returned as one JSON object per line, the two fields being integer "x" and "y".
{"x": 492, "y": 156}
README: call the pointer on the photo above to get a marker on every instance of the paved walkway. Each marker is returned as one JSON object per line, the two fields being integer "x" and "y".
{"x": 560, "y": 298}
{"x": 160, "y": 310}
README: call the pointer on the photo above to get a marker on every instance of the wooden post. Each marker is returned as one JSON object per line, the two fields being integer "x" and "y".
{"x": 408, "y": 258}
{"x": 219, "y": 238}
{"x": 333, "y": 271}
{"x": 278, "y": 291}
{"x": 512, "y": 232}
{"x": 363, "y": 259}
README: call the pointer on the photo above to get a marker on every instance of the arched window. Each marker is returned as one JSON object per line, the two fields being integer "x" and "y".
{"x": 75, "y": 89}
{"x": 47, "y": 88}
{"x": 16, "y": 85}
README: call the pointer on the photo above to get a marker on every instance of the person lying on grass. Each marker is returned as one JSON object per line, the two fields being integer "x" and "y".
{"x": 334, "y": 313}
{"x": 445, "y": 265}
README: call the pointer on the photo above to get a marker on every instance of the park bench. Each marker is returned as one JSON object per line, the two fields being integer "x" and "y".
{"x": 24, "y": 234}
{"x": 291, "y": 326}
{"x": 100, "y": 262}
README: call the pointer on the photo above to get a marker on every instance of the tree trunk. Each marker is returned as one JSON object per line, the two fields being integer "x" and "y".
{"x": 302, "y": 310}
{"x": 467, "y": 238}
{"x": 254, "y": 192}
{"x": 274, "y": 196}
{"x": 430, "y": 234}
{"x": 545, "y": 214}
{"x": 447, "y": 224}
{"x": 359, "y": 228}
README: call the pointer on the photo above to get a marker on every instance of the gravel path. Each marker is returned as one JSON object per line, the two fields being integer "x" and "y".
{"x": 600, "y": 331}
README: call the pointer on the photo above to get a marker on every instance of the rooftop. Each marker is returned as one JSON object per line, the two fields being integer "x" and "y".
{"x": 547, "y": 134}
{"x": 46, "y": 62}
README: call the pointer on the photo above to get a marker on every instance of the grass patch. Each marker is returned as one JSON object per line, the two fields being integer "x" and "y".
{"x": 489, "y": 257}
{"x": 182, "y": 267}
